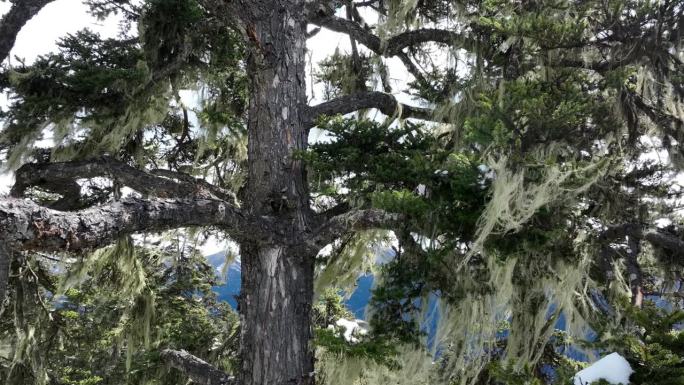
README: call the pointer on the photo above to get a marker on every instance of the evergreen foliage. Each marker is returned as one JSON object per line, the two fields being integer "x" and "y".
{"x": 526, "y": 194}
{"x": 112, "y": 313}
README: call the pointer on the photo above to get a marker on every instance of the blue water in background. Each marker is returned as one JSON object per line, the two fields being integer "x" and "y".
{"x": 358, "y": 300}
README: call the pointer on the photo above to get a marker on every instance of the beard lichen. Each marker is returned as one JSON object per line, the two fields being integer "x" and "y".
{"x": 515, "y": 199}
{"x": 349, "y": 257}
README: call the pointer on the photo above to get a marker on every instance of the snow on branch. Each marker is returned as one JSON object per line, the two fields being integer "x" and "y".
{"x": 612, "y": 368}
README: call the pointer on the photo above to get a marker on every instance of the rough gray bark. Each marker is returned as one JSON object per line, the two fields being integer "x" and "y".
{"x": 277, "y": 269}
{"x": 21, "y": 12}
{"x": 24, "y": 225}
{"x": 275, "y": 315}
{"x": 59, "y": 177}
{"x": 278, "y": 233}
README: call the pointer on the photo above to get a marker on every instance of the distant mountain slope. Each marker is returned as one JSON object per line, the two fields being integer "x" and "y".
{"x": 356, "y": 302}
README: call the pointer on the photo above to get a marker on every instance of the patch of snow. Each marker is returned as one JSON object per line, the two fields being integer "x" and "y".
{"x": 352, "y": 328}
{"x": 662, "y": 222}
{"x": 613, "y": 368}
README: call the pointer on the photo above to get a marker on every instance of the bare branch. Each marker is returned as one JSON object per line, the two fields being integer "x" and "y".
{"x": 61, "y": 178}
{"x": 355, "y": 220}
{"x": 198, "y": 370}
{"x": 21, "y": 12}
{"x": 656, "y": 237}
{"x": 386, "y": 103}
{"x": 395, "y": 44}
{"x": 664, "y": 240}
{"x": 413, "y": 70}
{"x": 24, "y": 225}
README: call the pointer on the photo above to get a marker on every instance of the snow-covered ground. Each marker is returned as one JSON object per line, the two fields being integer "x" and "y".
{"x": 613, "y": 368}
{"x": 352, "y": 328}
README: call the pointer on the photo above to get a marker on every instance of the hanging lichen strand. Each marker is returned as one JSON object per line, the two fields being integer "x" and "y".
{"x": 518, "y": 173}
{"x": 122, "y": 303}
{"x": 536, "y": 145}
{"x": 120, "y": 97}
{"x": 359, "y": 254}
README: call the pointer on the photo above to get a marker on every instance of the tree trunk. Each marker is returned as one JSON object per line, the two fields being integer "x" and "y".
{"x": 277, "y": 272}
{"x": 275, "y": 309}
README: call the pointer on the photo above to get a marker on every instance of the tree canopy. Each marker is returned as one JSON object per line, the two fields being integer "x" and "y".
{"x": 524, "y": 173}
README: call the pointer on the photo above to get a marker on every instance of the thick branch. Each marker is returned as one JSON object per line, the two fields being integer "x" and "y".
{"x": 395, "y": 44}
{"x": 61, "y": 178}
{"x": 386, "y": 103}
{"x": 355, "y": 220}
{"x": 24, "y": 225}
{"x": 198, "y": 370}
{"x": 657, "y": 238}
{"x": 21, "y": 12}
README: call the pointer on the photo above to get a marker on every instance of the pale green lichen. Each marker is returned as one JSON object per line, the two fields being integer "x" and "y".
{"x": 349, "y": 258}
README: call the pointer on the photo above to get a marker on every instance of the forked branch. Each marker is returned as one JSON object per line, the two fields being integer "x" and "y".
{"x": 395, "y": 44}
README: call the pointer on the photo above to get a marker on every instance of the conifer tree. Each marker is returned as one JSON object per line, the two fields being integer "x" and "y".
{"x": 516, "y": 187}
